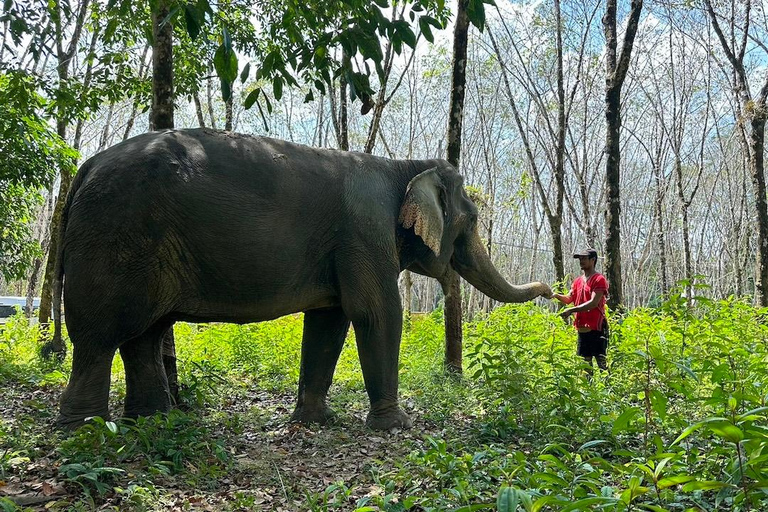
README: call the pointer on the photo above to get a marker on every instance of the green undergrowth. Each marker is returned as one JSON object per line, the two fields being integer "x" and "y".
{"x": 678, "y": 422}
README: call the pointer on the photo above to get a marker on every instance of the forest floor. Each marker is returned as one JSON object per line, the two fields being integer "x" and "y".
{"x": 679, "y": 423}
{"x": 273, "y": 464}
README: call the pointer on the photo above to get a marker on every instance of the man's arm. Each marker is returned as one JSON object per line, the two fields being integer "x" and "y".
{"x": 590, "y": 304}
{"x": 564, "y": 299}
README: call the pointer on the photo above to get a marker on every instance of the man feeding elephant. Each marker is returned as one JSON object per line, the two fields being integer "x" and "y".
{"x": 588, "y": 296}
{"x": 202, "y": 226}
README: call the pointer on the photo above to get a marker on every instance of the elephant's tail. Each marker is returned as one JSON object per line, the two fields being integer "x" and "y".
{"x": 58, "y": 277}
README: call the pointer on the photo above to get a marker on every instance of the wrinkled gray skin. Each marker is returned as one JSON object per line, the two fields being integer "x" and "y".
{"x": 201, "y": 226}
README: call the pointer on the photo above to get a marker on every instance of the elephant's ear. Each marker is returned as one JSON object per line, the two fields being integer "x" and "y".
{"x": 422, "y": 208}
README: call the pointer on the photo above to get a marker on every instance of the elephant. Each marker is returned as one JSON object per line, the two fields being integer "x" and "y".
{"x": 202, "y": 225}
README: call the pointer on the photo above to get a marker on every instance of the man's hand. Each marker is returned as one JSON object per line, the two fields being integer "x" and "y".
{"x": 564, "y": 314}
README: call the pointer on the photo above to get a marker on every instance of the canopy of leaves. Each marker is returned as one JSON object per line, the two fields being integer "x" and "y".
{"x": 32, "y": 154}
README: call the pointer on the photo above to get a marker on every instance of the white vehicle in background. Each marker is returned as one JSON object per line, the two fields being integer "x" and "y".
{"x": 8, "y": 306}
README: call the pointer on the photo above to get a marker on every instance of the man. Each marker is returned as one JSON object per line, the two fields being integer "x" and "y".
{"x": 588, "y": 298}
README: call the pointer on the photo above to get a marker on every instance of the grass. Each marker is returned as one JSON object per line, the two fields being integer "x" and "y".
{"x": 679, "y": 422}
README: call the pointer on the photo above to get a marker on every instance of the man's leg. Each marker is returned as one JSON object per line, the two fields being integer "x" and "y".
{"x": 602, "y": 362}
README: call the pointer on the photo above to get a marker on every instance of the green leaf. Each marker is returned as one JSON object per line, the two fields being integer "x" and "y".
{"x": 225, "y": 64}
{"x": 673, "y": 480}
{"x": 705, "y": 485}
{"x": 426, "y": 30}
{"x": 277, "y": 88}
{"x": 654, "y": 508}
{"x": 476, "y": 14}
{"x": 590, "y": 444}
{"x": 543, "y": 502}
{"x": 246, "y": 71}
{"x": 472, "y": 508}
{"x": 622, "y": 422}
{"x": 585, "y": 503}
{"x": 507, "y": 500}
{"x": 192, "y": 17}
{"x": 687, "y": 432}
{"x": 751, "y": 415}
{"x": 226, "y": 90}
{"x": 659, "y": 403}
{"x": 251, "y": 98}
{"x": 226, "y": 39}
{"x": 727, "y": 431}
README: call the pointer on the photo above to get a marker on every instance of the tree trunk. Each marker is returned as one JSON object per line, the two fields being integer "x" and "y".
{"x": 613, "y": 212}
{"x": 659, "y": 219}
{"x": 556, "y": 224}
{"x": 64, "y": 58}
{"x": 453, "y": 336}
{"x": 408, "y": 284}
{"x": 161, "y": 115}
{"x": 616, "y": 71}
{"x": 343, "y": 128}
{"x": 451, "y": 285}
{"x": 199, "y": 110}
{"x": 161, "y": 118}
{"x": 687, "y": 265}
{"x": 209, "y": 94}
{"x": 757, "y": 149}
{"x": 229, "y": 110}
{"x": 32, "y": 287}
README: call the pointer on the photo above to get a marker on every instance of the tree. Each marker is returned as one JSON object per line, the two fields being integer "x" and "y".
{"x": 751, "y": 122}
{"x": 451, "y": 282}
{"x": 32, "y": 153}
{"x": 64, "y": 58}
{"x": 615, "y": 73}
{"x": 161, "y": 115}
{"x": 466, "y": 11}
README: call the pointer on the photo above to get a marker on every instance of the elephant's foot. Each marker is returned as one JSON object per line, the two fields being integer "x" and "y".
{"x": 71, "y": 422}
{"x": 306, "y": 415}
{"x": 135, "y": 412}
{"x": 386, "y": 417}
{"x": 146, "y": 403}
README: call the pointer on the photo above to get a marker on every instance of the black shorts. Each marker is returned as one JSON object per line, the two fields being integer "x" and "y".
{"x": 593, "y": 343}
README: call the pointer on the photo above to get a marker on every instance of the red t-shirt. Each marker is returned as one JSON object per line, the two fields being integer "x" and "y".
{"x": 581, "y": 292}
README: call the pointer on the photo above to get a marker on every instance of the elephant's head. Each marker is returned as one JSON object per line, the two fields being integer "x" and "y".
{"x": 439, "y": 211}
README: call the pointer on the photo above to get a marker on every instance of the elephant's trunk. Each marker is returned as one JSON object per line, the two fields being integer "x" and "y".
{"x": 473, "y": 264}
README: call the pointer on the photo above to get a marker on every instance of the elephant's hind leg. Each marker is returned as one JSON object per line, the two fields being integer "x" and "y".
{"x": 87, "y": 393}
{"x": 324, "y": 334}
{"x": 146, "y": 385}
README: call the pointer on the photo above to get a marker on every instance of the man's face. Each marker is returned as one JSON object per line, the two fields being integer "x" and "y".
{"x": 586, "y": 263}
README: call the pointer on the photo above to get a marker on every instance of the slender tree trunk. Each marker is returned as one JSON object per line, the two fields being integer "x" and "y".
{"x": 199, "y": 110}
{"x": 658, "y": 206}
{"x": 343, "y": 127}
{"x": 684, "y": 205}
{"x": 107, "y": 125}
{"x": 616, "y": 71}
{"x": 32, "y": 286}
{"x": 229, "y": 110}
{"x": 408, "y": 284}
{"x": 562, "y": 126}
{"x": 209, "y": 94}
{"x": 161, "y": 118}
{"x": 64, "y": 57}
{"x": 451, "y": 284}
{"x": 757, "y": 168}
{"x": 161, "y": 115}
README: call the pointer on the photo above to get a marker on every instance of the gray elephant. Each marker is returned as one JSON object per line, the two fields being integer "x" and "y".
{"x": 202, "y": 225}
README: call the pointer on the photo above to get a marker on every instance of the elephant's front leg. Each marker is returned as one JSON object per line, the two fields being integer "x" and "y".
{"x": 324, "y": 333}
{"x": 378, "y": 328}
